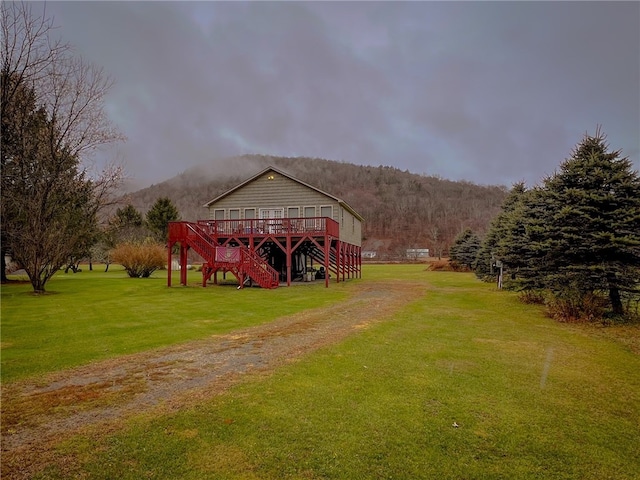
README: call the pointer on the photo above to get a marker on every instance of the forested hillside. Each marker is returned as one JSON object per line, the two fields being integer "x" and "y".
{"x": 401, "y": 209}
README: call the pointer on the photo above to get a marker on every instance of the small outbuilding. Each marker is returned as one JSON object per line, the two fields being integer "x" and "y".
{"x": 417, "y": 253}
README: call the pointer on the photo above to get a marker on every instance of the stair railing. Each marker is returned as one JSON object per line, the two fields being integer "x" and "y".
{"x": 256, "y": 267}
{"x": 251, "y": 263}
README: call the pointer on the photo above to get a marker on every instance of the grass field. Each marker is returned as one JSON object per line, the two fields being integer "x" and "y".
{"x": 94, "y": 315}
{"x": 531, "y": 398}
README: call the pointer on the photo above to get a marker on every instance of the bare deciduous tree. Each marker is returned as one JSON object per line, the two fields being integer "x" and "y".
{"x": 53, "y": 119}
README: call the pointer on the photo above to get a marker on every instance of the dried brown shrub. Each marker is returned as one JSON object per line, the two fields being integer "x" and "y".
{"x": 441, "y": 265}
{"x": 532, "y": 297}
{"x": 576, "y": 307}
{"x": 140, "y": 260}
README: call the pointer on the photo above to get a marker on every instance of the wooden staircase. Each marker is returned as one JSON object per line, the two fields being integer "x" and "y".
{"x": 242, "y": 262}
{"x": 318, "y": 255}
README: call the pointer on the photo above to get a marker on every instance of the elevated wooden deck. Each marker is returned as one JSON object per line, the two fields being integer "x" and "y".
{"x": 313, "y": 238}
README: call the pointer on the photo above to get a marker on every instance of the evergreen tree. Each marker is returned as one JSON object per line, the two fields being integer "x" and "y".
{"x": 522, "y": 236}
{"x": 465, "y": 249}
{"x": 159, "y": 215}
{"x": 588, "y": 229}
{"x": 127, "y": 225}
{"x": 489, "y": 251}
{"x": 128, "y": 216}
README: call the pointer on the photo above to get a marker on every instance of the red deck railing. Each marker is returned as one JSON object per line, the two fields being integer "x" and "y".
{"x": 271, "y": 226}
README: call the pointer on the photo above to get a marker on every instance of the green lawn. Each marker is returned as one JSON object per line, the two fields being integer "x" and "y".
{"x": 94, "y": 315}
{"x": 532, "y": 398}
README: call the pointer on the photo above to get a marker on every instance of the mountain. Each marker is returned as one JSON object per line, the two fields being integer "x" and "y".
{"x": 401, "y": 209}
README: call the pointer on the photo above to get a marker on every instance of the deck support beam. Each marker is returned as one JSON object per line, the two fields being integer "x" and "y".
{"x": 169, "y": 261}
{"x": 288, "y": 261}
{"x": 183, "y": 263}
{"x": 327, "y": 253}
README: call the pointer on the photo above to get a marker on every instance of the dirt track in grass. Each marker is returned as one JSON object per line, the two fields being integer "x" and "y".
{"x": 37, "y": 415}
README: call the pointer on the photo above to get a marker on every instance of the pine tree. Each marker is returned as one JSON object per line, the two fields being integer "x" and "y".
{"x": 127, "y": 225}
{"x": 128, "y": 216}
{"x": 159, "y": 215}
{"x": 588, "y": 233}
{"x": 521, "y": 245}
{"x": 465, "y": 249}
{"x": 497, "y": 243}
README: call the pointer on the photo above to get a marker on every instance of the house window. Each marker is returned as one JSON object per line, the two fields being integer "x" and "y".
{"x": 293, "y": 212}
{"x": 326, "y": 211}
{"x": 309, "y": 225}
{"x": 218, "y": 214}
{"x": 271, "y": 212}
{"x": 271, "y": 217}
{"x": 249, "y": 213}
{"x": 234, "y": 214}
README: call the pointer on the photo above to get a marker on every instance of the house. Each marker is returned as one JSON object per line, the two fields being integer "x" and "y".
{"x": 416, "y": 253}
{"x": 273, "y": 228}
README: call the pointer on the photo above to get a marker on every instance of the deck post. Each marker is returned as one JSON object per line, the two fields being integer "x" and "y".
{"x": 327, "y": 253}
{"x": 338, "y": 260}
{"x": 169, "y": 248}
{"x": 183, "y": 263}
{"x": 288, "y": 249}
{"x": 344, "y": 261}
{"x": 344, "y": 248}
{"x": 352, "y": 256}
{"x": 355, "y": 261}
{"x": 347, "y": 262}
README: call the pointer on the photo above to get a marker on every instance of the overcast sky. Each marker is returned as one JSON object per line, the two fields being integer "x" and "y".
{"x": 487, "y": 92}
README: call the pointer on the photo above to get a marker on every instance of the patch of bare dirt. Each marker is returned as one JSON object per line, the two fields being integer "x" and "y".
{"x": 36, "y": 415}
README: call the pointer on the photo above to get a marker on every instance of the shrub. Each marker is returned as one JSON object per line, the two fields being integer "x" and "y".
{"x": 441, "y": 265}
{"x": 140, "y": 260}
{"x": 532, "y": 297}
{"x": 574, "y": 306}
{"x": 459, "y": 267}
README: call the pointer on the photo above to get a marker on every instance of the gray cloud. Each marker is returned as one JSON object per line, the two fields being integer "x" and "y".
{"x": 487, "y": 92}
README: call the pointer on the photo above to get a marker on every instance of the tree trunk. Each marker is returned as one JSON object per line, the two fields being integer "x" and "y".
{"x": 616, "y": 301}
{"x": 38, "y": 284}
{"x": 3, "y": 273}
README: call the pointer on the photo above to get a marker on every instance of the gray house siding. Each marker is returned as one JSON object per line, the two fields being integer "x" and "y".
{"x": 272, "y": 190}
{"x": 350, "y": 227}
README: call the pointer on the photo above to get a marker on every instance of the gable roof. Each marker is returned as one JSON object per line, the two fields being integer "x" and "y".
{"x": 280, "y": 172}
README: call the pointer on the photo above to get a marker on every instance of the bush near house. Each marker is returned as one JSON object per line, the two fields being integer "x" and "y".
{"x": 140, "y": 260}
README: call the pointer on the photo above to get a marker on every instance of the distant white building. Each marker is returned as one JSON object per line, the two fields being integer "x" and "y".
{"x": 415, "y": 253}
{"x": 368, "y": 254}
